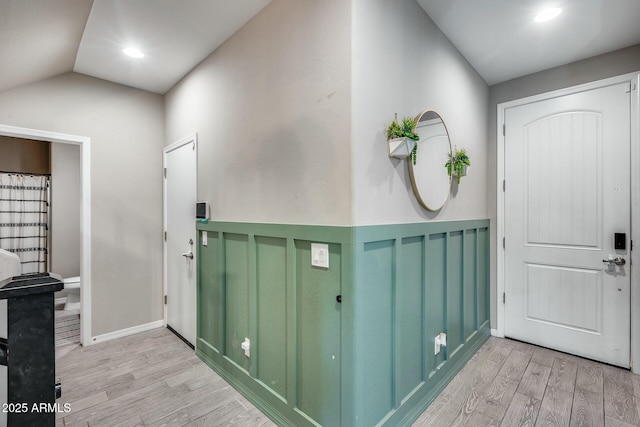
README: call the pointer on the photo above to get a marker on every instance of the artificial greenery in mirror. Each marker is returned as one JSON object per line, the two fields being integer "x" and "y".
{"x": 457, "y": 163}
{"x": 430, "y": 182}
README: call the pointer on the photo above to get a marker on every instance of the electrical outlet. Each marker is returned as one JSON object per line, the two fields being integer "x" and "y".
{"x": 439, "y": 341}
{"x": 443, "y": 339}
{"x": 246, "y": 346}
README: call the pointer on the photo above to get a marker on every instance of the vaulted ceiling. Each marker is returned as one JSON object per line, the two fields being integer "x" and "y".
{"x": 44, "y": 38}
{"x": 501, "y": 40}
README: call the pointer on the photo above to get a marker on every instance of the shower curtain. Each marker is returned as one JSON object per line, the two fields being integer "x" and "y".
{"x": 24, "y": 219}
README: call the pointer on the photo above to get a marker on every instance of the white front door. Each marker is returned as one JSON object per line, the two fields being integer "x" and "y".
{"x": 180, "y": 238}
{"x": 567, "y": 192}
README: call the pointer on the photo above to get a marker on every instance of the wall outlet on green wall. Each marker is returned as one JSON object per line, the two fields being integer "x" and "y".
{"x": 439, "y": 341}
{"x": 246, "y": 346}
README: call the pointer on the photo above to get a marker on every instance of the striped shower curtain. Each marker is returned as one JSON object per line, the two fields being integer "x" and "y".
{"x": 24, "y": 219}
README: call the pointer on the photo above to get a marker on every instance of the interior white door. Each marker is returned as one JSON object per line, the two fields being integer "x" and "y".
{"x": 180, "y": 239}
{"x": 567, "y": 192}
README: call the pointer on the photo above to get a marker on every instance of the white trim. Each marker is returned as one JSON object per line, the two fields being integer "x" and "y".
{"x": 85, "y": 211}
{"x": 634, "y": 78}
{"x": 635, "y": 225}
{"x": 128, "y": 331}
{"x": 494, "y": 333}
{"x": 191, "y": 138}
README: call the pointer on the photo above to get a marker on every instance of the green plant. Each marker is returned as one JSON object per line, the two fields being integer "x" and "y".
{"x": 405, "y": 129}
{"x": 458, "y": 159}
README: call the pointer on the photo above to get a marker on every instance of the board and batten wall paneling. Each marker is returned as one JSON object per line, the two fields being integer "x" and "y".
{"x": 412, "y": 282}
{"x": 272, "y": 297}
{"x": 376, "y": 310}
{"x": 256, "y": 281}
{"x": 363, "y": 362}
{"x": 409, "y": 299}
{"x": 317, "y": 339}
{"x": 210, "y": 294}
{"x": 236, "y": 304}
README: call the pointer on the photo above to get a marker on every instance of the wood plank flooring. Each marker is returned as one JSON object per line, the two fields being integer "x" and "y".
{"x": 147, "y": 379}
{"x": 154, "y": 379}
{"x": 508, "y": 383}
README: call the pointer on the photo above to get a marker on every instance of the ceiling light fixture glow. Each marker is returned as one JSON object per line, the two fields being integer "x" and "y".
{"x": 133, "y": 52}
{"x": 548, "y": 14}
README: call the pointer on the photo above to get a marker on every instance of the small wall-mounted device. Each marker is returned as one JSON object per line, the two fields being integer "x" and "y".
{"x": 320, "y": 255}
{"x": 620, "y": 241}
{"x": 246, "y": 346}
{"x": 202, "y": 210}
{"x": 439, "y": 341}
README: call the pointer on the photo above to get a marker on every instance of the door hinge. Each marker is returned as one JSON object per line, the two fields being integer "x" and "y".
{"x": 165, "y": 299}
{"x": 165, "y": 236}
{"x": 504, "y": 185}
{"x": 165, "y": 172}
{"x": 504, "y": 243}
{"x": 504, "y": 297}
{"x": 504, "y": 130}
{"x": 631, "y": 244}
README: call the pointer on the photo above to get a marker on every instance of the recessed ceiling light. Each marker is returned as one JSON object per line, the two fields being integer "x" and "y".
{"x": 133, "y": 52}
{"x": 548, "y": 14}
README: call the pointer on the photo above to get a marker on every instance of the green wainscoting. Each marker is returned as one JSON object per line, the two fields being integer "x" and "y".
{"x": 412, "y": 282}
{"x": 256, "y": 281}
{"x": 364, "y": 362}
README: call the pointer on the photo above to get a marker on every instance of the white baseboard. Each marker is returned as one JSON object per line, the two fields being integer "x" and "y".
{"x": 126, "y": 332}
{"x": 494, "y": 333}
{"x": 60, "y": 301}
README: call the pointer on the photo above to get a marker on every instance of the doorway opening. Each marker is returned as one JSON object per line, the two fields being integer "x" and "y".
{"x": 85, "y": 211}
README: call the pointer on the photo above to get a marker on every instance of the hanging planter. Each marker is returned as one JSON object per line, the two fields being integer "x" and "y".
{"x": 458, "y": 163}
{"x": 401, "y": 148}
{"x": 402, "y": 138}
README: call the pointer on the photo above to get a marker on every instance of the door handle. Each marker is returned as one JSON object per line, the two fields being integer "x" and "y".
{"x": 615, "y": 260}
{"x": 188, "y": 255}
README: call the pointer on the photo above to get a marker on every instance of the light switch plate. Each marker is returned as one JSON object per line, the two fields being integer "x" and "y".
{"x": 320, "y": 255}
{"x": 205, "y": 238}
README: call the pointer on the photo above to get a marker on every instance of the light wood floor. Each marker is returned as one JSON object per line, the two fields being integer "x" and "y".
{"x": 154, "y": 379}
{"x": 509, "y": 383}
{"x": 147, "y": 379}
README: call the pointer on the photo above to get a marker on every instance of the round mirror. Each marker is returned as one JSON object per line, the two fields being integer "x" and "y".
{"x": 429, "y": 177}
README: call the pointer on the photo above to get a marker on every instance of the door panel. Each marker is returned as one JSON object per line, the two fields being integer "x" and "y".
{"x": 562, "y": 192}
{"x": 180, "y": 211}
{"x": 567, "y": 173}
{"x": 547, "y": 288}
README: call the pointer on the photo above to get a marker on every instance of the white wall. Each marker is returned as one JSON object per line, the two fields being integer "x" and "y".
{"x": 127, "y": 134}
{"x": 65, "y": 209}
{"x": 271, "y": 107}
{"x": 403, "y": 64}
{"x": 599, "y": 67}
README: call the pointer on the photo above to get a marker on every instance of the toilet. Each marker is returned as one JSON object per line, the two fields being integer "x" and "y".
{"x": 72, "y": 289}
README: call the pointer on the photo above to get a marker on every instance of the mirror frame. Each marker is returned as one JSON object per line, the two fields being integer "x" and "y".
{"x": 414, "y": 185}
